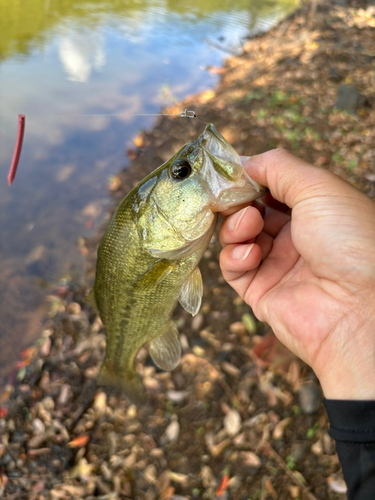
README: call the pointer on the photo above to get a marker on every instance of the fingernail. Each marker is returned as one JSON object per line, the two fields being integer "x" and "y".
{"x": 235, "y": 219}
{"x": 240, "y": 252}
{"x": 244, "y": 159}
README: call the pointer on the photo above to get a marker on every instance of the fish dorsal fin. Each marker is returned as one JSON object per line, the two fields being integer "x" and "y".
{"x": 90, "y": 299}
{"x": 154, "y": 275}
{"x": 191, "y": 292}
{"x": 165, "y": 349}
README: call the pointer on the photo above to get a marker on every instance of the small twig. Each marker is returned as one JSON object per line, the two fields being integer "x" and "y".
{"x": 15, "y": 495}
{"x": 17, "y": 149}
{"x": 88, "y": 395}
{"x": 263, "y": 495}
{"x": 267, "y": 448}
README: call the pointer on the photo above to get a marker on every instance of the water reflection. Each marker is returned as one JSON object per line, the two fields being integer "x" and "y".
{"x": 80, "y": 53}
{"x": 60, "y": 61}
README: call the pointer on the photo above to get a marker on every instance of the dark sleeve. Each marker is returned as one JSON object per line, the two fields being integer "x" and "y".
{"x": 352, "y": 425}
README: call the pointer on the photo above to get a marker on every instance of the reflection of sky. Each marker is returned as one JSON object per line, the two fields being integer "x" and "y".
{"x": 79, "y": 54}
{"x": 117, "y": 68}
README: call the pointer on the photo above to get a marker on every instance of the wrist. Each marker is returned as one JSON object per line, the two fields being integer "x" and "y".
{"x": 353, "y": 380}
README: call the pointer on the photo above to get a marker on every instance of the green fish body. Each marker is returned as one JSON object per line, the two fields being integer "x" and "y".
{"x": 148, "y": 257}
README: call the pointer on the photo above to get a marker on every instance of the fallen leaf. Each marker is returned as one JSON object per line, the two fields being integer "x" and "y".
{"x": 223, "y": 485}
{"x": 138, "y": 140}
{"x": 79, "y": 441}
{"x": 270, "y": 488}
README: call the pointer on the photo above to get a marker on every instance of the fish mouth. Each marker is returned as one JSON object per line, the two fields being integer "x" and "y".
{"x": 245, "y": 190}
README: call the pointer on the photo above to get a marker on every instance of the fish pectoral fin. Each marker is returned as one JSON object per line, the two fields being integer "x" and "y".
{"x": 154, "y": 275}
{"x": 90, "y": 299}
{"x": 191, "y": 292}
{"x": 165, "y": 350}
{"x": 188, "y": 248}
{"x": 130, "y": 382}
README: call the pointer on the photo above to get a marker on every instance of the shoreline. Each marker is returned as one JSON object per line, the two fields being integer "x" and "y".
{"x": 236, "y": 389}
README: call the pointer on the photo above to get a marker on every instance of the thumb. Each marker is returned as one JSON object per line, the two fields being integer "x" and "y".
{"x": 290, "y": 179}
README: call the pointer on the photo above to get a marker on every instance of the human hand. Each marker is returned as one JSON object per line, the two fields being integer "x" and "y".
{"x": 310, "y": 276}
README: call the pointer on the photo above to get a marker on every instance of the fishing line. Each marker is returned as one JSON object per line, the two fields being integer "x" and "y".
{"x": 21, "y": 129}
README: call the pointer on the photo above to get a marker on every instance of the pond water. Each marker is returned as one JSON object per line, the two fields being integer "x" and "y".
{"x": 59, "y": 63}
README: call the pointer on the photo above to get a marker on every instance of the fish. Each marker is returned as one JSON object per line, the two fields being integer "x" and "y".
{"x": 148, "y": 257}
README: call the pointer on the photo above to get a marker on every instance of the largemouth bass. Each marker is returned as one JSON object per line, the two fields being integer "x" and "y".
{"x": 148, "y": 257}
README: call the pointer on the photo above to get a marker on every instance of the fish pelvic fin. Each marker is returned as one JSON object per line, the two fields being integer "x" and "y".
{"x": 191, "y": 292}
{"x": 165, "y": 349}
{"x": 90, "y": 299}
{"x": 130, "y": 382}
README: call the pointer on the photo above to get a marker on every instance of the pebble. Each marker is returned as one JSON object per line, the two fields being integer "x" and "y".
{"x": 197, "y": 322}
{"x": 294, "y": 491}
{"x": 73, "y": 308}
{"x": 227, "y": 347}
{"x": 208, "y": 478}
{"x": 240, "y": 439}
{"x": 129, "y": 440}
{"x": 48, "y": 404}
{"x": 44, "y": 381}
{"x": 38, "y": 426}
{"x": 37, "y": 441}
{"x": 238, "y": 328}
{"x": 100, "y": 402}
{"x": 184, "y": 342}
{"x": 198, "y": 351}
{"x": 130, "y": 461}
{"x": 151, "y": 383}
{"x": 317, "y": 448}
{"x": 337, "y": 485}
{"x": 173, "y": 430}
{"x": 310, "y": 398}
{"x": 163, "y": 481}
{"x": 327, "y": 444}
{"x": 278, "y": 431}
{"x": 64, "y": 396}
{"x": 46, "y": 347}
{"x": 82, "y": 470}
{"x": 106, "y": 472}
{"x": 234, "y": 483}
{"x": 232, "y": 423}
{"x": 250, "y": 460}
{"x": 230, "y": 369}
{"x": 150, "y": 474}
{"x": 177, "y": 396}
{"x": 116, "y": 461}
{"x": 349, "y": 99}
{"x": 179, "y": 478}
{"x": 132, "y": 411}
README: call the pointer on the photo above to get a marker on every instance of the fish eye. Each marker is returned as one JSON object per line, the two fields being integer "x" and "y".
{"x": 181, "y": 169}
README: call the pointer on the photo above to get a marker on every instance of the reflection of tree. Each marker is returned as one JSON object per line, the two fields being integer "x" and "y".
{"x": 27, "y": 24}
{"x": 256, "y": 7}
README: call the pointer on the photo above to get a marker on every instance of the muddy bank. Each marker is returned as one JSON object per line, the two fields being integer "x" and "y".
{"x": 239, "y": 417}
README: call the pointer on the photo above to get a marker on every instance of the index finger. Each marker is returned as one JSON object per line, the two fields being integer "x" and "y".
{"x": 290, "y": 179}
